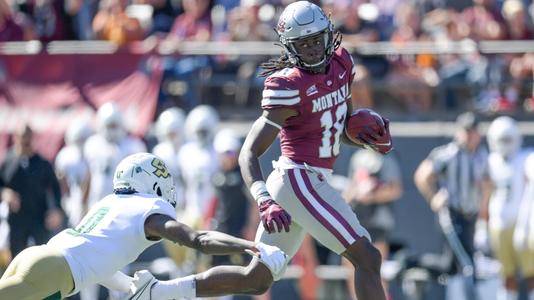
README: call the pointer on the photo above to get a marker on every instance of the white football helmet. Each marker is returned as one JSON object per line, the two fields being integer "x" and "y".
{"x": 77, "y": 133}
{"x": 227, "y": 140}
{"x": 170, "y": 125}
{"x": 504, "y": 136}
{"x": 201, "y": 123}
{"x": 303, "y": 19}
{"x": 144, "y": 173}
{"x": 110, "y": 122}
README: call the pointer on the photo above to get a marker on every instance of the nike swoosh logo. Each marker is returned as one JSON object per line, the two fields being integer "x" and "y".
{"x": 342, "y": 75}
{"x": 383, "y": 144}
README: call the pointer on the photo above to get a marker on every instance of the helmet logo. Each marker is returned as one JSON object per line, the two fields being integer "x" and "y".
{"x": 161, "y": 170}
{"x": 281, "y": 26}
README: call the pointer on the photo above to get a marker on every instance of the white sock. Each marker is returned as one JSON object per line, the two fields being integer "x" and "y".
{"x": 511, "y": 295}
{"x": 505, "y": 294}
{"x": 531, "y": 295}
{"x": 184, "y": 287}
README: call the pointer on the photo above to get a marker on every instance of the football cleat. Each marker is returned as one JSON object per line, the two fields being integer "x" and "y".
{"x": 141, "y": 285}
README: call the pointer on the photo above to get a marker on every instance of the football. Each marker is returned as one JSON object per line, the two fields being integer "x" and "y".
{"x": 365, "y": 126}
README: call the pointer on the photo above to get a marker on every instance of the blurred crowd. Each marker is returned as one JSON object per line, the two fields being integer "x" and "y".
{"x": 417, "y": 82}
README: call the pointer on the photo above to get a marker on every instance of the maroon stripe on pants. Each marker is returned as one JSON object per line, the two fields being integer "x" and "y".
{"x": 328, "y": 207}
{"x": 313, "y": 211}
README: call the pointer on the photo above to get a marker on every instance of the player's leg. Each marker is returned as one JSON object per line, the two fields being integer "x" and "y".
{"x": 526, "y": 263}
{"x": 319, "y": 208}
{"x": 502, "y": 246}
{"x": 37, "y": 273}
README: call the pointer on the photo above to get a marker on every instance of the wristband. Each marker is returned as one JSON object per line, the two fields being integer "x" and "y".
{"x": 258, "y": 189}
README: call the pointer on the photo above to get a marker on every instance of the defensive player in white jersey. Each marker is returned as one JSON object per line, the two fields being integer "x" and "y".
{"x": 116, "y": 230}
{"x": 524, "y": 228}
{"x": 170, "y": 133}
{"x": 199, "y": 161}
{"x": 106, "y": 148}
{"x": 505, "y": 162}
{"x": 306, "y": 98}
{"x": 73, "y": 172}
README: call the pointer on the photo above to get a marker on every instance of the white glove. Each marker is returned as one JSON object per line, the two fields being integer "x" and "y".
{"x": 141, "y": 285}
{"x": 274, "y": 258}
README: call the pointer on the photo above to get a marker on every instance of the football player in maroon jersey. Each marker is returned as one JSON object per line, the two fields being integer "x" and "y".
{"x": 306, "y": 100}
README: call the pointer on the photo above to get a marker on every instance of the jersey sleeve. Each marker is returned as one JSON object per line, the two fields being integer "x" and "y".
{"x": 280, "y": 92}
{"x": 159, "y": 206}
{"x": 439, "y": 157}
{"x": 164, "y": 208}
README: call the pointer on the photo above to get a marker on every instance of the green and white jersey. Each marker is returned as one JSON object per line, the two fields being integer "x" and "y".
{"x": 509, "y": 182}
{"x": 109, "y": 237}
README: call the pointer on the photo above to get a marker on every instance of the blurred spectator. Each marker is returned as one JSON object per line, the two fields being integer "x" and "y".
{"x": 73, "y": 172}
{"x": 82, "y": 13}
{"x": 517, "y": 20}
{"x": 411, "y": 77}
{"x": 375, "y": 182}
{"x": 245, "y": 23}
{"x": 485, "y": 21}
{"x": 170, "y": 133}
{"x": 113, "y": 24}
{"x": 32, "y": 193}
{"x": 451, "y": 180}
{"x": 359, "y": 26}
{"x": 522, "y": 74}
{"x": 48, "y": 18}
{"x": 194, "y": 25}
{"x": 165, "y": 11}
{"x": 14, "y": 26}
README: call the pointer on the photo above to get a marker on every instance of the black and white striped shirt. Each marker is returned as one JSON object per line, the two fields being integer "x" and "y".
{"x": 461, "y": 173}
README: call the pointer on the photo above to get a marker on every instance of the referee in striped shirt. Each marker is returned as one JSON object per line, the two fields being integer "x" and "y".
{"x": 451, "y": 179}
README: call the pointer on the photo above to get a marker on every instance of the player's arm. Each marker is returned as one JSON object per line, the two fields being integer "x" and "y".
{"x": 260, "y": 137}
{"x": 344, "y": 137}
{"x": 208, "y": 242}
{"x": 426, "y": 182}
{"x": 486, "y": 189}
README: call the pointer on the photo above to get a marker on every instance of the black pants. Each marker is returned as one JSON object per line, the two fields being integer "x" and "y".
{"x": 464, "y": 226}
{"x": 19, "y": 236}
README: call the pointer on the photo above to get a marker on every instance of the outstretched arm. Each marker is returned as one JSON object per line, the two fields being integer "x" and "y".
{"x": 209, "y": 242}
{"x": 260, "y": 137}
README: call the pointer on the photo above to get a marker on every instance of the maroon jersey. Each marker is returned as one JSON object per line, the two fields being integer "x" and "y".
{"x": 313, "y": 136}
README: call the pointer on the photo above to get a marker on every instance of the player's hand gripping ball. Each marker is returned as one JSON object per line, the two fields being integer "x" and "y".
{"x": 368, "y": 128}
